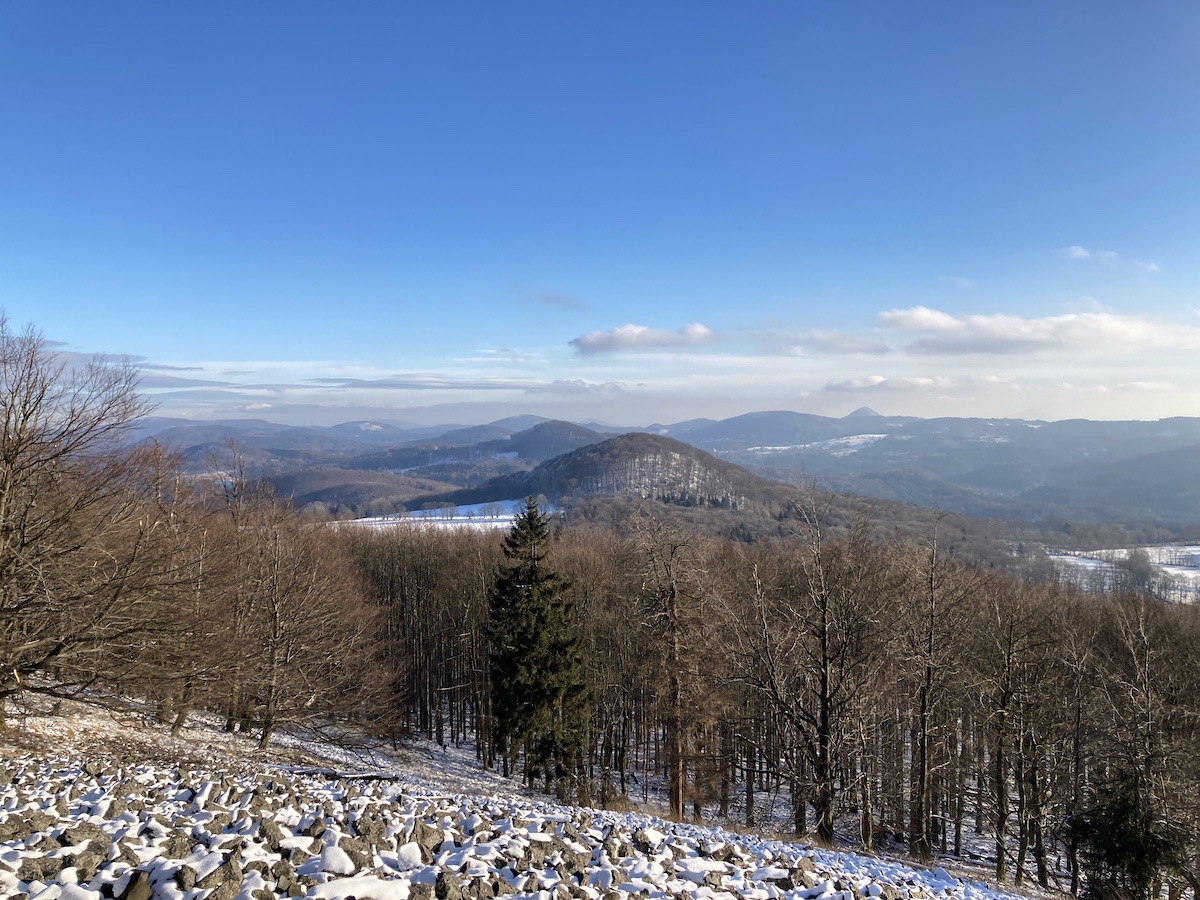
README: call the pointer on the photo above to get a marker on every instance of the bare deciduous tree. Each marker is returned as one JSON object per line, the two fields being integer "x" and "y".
{"x": 76, "y": 533}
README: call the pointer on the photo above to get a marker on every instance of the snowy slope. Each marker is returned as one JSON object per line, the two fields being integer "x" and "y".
{"x": 108, "y": 813}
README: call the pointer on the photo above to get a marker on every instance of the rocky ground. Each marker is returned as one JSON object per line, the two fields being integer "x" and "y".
{"x": 124, "y": 820}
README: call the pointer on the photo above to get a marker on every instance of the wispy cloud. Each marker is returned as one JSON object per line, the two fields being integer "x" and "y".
{"x": 434, "y": 381}
{"x": 819, "y": 340}
{"x": 1148, "y": 386}
{"x": 965, "y": 283}
{"x": 862, "y": 383}
{"x": 577, "y": 386}
{"x": 940, "y": 333}
{"x": 153, "y": 381}
{"x": 556, "y": 299}
{"x": 626, "y": 338}
{"x": 881, "y": 383}
{"x": 1107, "y": 256}
{"x": 427, "y": 381}
{"x": 161, "y": 367}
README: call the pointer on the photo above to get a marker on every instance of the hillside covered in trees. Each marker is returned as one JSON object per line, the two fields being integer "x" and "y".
{"x": 883, "y": 690}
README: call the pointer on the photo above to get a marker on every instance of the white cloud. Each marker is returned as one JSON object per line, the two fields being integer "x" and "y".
{"x": 1077, "y": 252}
{"x": 940, "y": 333}
{"x": 639, "y": 337}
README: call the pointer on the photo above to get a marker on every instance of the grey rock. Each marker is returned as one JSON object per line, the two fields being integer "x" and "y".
{"x": 283, "y": 869}
{"x": 447, "y": 888}
{"x": 185, "y": 877}
{"x": 176, "y": 845}
{"x": 271, "y": 833}
{"x": 88, "y": 863}
{"x": 316, "y": 828}
{"x": 126, "y": 855}
{"x": 227, "y": 891}
{"x": 138, "y": 887}
{"x": 38, "y": 821}
{"x": 642, "y": 842}
{"x": 361, "y": 860}
{"x": 228, "y": 871}
{"x": 372, "y": 831}
{"x": 426, "y": 836}
{"x": 39, "y": 868}
{"x": 87, "y": 831}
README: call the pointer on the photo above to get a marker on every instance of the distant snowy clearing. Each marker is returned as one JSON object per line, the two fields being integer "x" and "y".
{"x": 1176, "y": 568}
{"x": 482, "y": 516}
{"x": 836, "y": 446}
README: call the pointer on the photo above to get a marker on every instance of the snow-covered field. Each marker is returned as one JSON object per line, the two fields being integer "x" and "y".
{"x": 836, "y": 446}
{"x": 487, "y": 516}
{"x": 95, "y": 804}
{"x": 1177, "y": 568}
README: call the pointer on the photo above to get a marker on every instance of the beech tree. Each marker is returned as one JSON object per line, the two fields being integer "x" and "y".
{"x": 190, "y": 652}
{"x": 310, "y": 621}
{"x": 811, "y": 639}
{"x": 76, "y": 531}
{"x": 673, "y": 605}
{"x": 937, "y": 596}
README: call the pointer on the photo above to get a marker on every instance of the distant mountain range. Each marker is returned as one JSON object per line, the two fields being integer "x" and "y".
{"x": 1137, "y": 473}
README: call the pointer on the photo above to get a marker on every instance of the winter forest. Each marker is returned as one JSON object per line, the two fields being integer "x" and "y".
{"x": 832, "y": 681}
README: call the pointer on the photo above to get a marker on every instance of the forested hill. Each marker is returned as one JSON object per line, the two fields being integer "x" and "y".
{"x": 646, "y": 466}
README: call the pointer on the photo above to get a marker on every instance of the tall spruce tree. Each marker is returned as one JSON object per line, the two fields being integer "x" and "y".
{"x": 537, "y": 672}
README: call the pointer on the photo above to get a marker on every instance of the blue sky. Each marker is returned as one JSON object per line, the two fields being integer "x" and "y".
{"x": 630, "y": 212}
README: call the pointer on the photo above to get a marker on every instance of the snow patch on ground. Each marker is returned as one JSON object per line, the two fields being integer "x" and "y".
{"x": 836, "y": 446}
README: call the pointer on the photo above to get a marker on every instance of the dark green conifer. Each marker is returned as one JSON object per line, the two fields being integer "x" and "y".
{"x": 537, "y": 671}
{"x": 1125, "y": 844}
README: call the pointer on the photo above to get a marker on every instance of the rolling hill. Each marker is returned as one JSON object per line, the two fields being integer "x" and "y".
{"x": 647, "y": 466}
